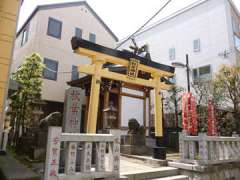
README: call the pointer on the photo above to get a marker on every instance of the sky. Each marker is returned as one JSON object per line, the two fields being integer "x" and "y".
{"x": 123, "y": 17}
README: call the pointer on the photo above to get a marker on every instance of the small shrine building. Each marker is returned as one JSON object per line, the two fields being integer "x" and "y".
{"x": 121, "y": 97}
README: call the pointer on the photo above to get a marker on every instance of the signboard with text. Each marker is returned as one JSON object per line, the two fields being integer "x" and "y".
{"x": 72, "y": 110}
{"x": 132, "y": 71}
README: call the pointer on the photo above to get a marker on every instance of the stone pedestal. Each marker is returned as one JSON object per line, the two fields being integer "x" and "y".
{"x": 33, "y": 143}
{"x": 135, "y": 145}
{"x": 159, "y": 153}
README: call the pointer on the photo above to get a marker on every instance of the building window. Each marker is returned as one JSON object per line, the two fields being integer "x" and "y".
{"x": 75, "y": 74}
{"x": 25, "y": 36}
{"x": 237, "y": 42}
{"x": 78, "y": 32}
{"x": 195, "y": 73}
{"x": 202, "y": 73}
{"x": 196, "y": 45}
{"x": 172, "y": 54}
{"x": 206, "y": 70}
{"x": 92, "y": 38}
{"x": 235, "y": 25}
{"x": 51, "y": 69}
{"x": 54, "y": 28}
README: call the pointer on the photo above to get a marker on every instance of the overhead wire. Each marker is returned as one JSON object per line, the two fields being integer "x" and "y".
{"x": 139, "y": 29}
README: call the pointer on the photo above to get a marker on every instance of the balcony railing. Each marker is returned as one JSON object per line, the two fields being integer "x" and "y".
{"x": 203, "y": 149}
{"x": 72, "y": 142}
{"x": 202, "y": 79}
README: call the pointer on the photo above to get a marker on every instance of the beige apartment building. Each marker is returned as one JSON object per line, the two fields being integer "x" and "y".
{"x": 48, "y": 31}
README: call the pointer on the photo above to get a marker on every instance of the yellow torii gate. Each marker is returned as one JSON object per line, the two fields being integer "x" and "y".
{"x": 100, "y": 55}
{"x": 9, "y": 10}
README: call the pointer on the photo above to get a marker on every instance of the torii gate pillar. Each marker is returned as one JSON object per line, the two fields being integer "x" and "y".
{"x": 158, "y": 108}
{"x": 94, "y": 98}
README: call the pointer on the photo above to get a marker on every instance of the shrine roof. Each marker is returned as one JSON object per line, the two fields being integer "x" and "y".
{"x": 81, "y": 82}
{"x": 81, "y": 43}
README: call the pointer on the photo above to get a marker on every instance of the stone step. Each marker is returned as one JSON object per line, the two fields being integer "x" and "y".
{"x": 145, "y": 160}
{"x": 151, "y": 174}
{"x": 178, "y": 177}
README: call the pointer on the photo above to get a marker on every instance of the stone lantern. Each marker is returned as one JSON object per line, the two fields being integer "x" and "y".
{"x": 37, "y": 112}
{"x": 110, "y": 116}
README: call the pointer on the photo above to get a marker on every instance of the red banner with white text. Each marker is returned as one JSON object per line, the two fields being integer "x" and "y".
{"x": 212, "y": 126}
{"x": 189, "y": 114}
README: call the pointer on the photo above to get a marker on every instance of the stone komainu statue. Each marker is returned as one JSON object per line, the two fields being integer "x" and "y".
{"x": 53, "y": 119}
{"x": 134, "y": 127}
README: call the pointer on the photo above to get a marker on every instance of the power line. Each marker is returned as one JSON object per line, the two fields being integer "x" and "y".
{"x": 139, "y": 29}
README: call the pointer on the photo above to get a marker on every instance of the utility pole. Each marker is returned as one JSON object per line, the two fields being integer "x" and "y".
{"x": 188, "y": 73}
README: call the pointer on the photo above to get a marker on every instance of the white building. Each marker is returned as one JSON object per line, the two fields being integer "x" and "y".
{"x": 48, "y": 31}
{"x": 208, "y": 31}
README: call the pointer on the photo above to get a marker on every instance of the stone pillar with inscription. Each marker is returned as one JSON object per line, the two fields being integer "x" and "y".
{"x": 114, "y": 152}
{"x": 53, "y": 153}
{"x": 203, "y": 147}
{"x": 72, "y": 124}
{"x": 86, "y": 158}
{"x": 72, "y": 110}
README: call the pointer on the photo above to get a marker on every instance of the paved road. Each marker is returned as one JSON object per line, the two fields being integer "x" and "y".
{"x": 10, "y": 168}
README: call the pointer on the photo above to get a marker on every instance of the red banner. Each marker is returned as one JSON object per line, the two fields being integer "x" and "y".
{"x": 212, "y": 126}
{"x": 189, "y": 114}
